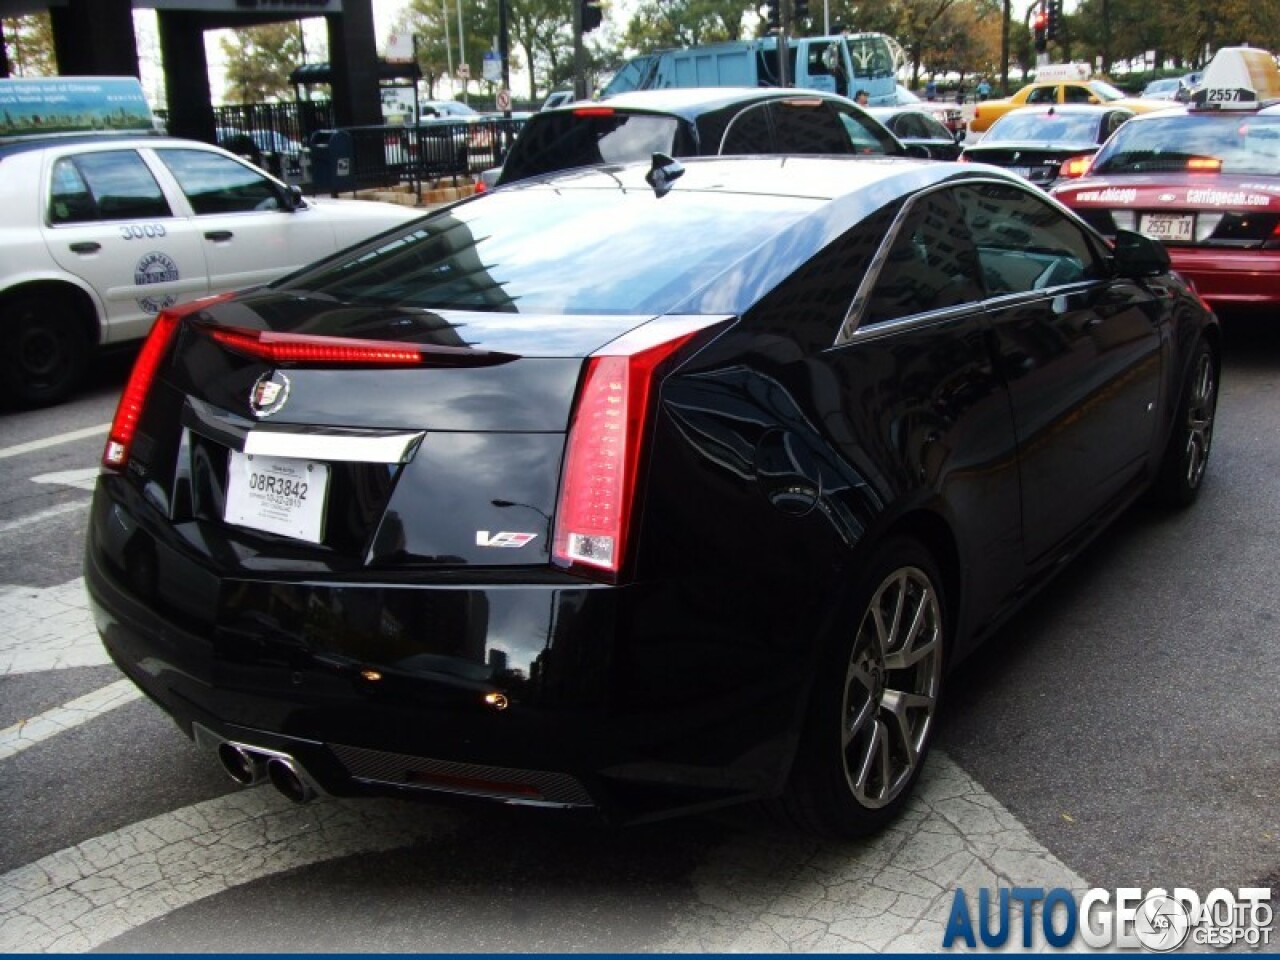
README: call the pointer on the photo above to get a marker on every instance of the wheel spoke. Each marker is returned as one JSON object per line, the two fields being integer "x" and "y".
{"x": 875, "y": 745}
{"x": 860, "y": 718}
{"x": 907, "y": 658}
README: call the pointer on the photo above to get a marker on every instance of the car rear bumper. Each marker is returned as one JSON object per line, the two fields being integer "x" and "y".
{"x": 526, "y": 692}
{"x": 1229, "y": 276}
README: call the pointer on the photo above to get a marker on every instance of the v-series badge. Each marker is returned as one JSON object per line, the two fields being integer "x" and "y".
{"x": 503, "y": 538}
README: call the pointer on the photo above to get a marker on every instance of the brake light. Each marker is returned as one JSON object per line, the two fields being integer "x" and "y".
{"x": 1204, "y": 164}
{"x": 603, "y": 453}
{"x": 313, "y": 350}
{"x": 481, "y": 187}
{"x": 134, "y": 398}
{"x": 1076, "y": 167}
{"x": 593, "y": 112}
{"x": 1274, "y": 241}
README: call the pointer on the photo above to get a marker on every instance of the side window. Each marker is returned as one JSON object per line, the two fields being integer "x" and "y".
{"x": 1023, "y": 243}
{"x": 1074, "y": 94}
{"x": 1114, "y": 121}
{"x": 865, "y": 134}
{"x": 217, "y": 184}
{"x": 109, "y": 185}
{"x": 931, "y": 265}
{"x": 1043, "y": 95}
{"x": 935, "y": 130}
{"x": 748, "y": 132}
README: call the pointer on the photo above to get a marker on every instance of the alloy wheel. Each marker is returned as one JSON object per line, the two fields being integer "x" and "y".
{"x": 1200, "y": 412}
{"x": 891, "y": 687}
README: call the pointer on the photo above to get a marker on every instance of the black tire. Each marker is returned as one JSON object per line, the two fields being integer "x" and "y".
{"x": 870, "y": 722}
{"x": 46, "y": 349}
{"x": 1187, "y": 455}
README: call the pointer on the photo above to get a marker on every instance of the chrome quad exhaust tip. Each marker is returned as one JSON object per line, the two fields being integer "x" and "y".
{"x": 249, "y": 766}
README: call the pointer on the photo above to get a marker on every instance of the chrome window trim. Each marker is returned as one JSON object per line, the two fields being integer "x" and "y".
{"x": 851, "y": 329}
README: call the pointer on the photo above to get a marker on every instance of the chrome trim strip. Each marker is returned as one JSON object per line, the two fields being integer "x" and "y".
{"x": 334, "y": 446}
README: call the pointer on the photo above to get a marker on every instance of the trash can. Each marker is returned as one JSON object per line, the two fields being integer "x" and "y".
{"x": 332, "y": 165}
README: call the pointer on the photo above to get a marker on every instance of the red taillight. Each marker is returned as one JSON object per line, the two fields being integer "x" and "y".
{"x": 602, "y": 459}
{"x": 1274, "y": 240}
{"x": 134, "y": 398}
{"x": 593, "y": 112}
{"x": 1076, "y": 167}
{"x": 313, "y": 350}
{"x": 481, "y": 187}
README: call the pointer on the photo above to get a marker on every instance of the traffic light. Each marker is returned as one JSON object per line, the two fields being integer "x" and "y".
{"x": 1039, "y": 23}
{"x": 592, "y": 15}
{"x": 1054, "y": 22}
{"x": 773, "y": 14}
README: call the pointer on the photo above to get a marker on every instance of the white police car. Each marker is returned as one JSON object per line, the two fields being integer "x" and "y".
{"x": 101, "y": 230}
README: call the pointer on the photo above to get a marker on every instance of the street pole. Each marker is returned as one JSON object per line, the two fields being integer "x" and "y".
{"x": 1004, "y": 48}
{"x": 784, "y": 48}
{"x": 462, "y": 51}
{"x": 579, "y": 54}
{"x": 504, "y": 49}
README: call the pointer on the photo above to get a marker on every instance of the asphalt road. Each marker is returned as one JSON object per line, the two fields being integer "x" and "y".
{"x": 1121, "y": 731}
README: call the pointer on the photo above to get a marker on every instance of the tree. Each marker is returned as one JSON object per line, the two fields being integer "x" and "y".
{"x": 658, "y": 24}
{"x": 28, "y": 45}
{"x": 260, "y": 59}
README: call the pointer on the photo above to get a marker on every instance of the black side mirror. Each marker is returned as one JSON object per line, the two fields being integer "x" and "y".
{"x": 919, "y": 151}
{"x": 1139, "y": 256}
{"x": 295, "y": 197}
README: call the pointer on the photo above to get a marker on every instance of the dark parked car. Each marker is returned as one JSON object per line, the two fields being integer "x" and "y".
{"x": 641, "y": 488}
{"x": 917, "y": 128}
{"x": 693, "y": 122}
{"x": 1047, "y": 144}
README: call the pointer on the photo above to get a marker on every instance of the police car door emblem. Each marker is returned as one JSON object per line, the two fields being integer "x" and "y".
{"x": 269, "y": 393}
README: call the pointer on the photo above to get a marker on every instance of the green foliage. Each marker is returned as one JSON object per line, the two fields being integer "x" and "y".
{"x": 658, "y": 24}
{"x": 259, "y": 60}
{"x": 28, "y": 44}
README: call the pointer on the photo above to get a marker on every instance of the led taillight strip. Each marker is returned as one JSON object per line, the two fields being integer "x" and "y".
{"x": 604, "y": 450}
{"x": 315, "y": 350}
{"x": 129, "y": 411}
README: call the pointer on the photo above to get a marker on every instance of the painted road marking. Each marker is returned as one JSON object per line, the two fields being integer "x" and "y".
{"x": 47, "y": 629}
{"x": 28, "y": 733}
{"x": 80, "y": 479}
{"x": 10, "y": 525}
{"x": 757, "y": 892}
{"x": 55, "y": 440}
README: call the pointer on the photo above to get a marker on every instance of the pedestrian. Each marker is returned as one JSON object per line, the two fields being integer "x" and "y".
{"x": 862, "y": 98}
{"x": 984, "y": 89}
{"x": 931, "y": 90}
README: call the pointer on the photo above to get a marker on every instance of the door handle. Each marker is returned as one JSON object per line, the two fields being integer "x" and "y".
{"x": 87, "y": 246}
{"x": 217, "y": 236}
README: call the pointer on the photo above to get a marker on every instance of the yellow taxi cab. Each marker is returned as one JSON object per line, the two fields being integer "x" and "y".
{"x": 1060, "y": 91}
{"x": 1204, "y": 179}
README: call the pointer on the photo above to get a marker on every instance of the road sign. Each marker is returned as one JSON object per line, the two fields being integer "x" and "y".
{"x": 492, "y": 67}
{"x": 504, "y": 100}
{"x": 399, "y": 48}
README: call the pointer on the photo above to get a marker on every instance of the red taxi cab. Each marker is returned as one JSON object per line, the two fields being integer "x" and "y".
{"x": 1204, "y": 179}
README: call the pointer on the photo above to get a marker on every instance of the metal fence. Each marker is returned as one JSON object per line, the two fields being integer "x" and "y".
{"x": 278, "y": 138}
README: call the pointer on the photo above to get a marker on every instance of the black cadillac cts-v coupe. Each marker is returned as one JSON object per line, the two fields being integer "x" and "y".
{"x": 641, "y": 488}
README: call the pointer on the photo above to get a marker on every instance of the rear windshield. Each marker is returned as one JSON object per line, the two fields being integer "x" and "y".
{"x": 1225, "y": 143}
{"x": 576, "y": 251}
{"x": 1045, "y": 127}
{"x": 574, "y": 138}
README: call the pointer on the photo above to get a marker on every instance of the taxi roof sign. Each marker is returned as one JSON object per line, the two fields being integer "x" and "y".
{"x": 45, "y": 106}
{"x": 1238, "y": 78}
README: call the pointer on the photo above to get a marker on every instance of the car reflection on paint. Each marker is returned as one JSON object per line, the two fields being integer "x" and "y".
{"x": 639, "y": 488}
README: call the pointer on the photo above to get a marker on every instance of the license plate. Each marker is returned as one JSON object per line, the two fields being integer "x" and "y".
{"x": 1021, "y": 171}
{"x": 1164, "y": 226}
{"x": 280, "y": 495}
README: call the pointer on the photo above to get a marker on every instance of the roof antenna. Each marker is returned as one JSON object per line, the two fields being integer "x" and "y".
{"x": 663, "y": 173}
